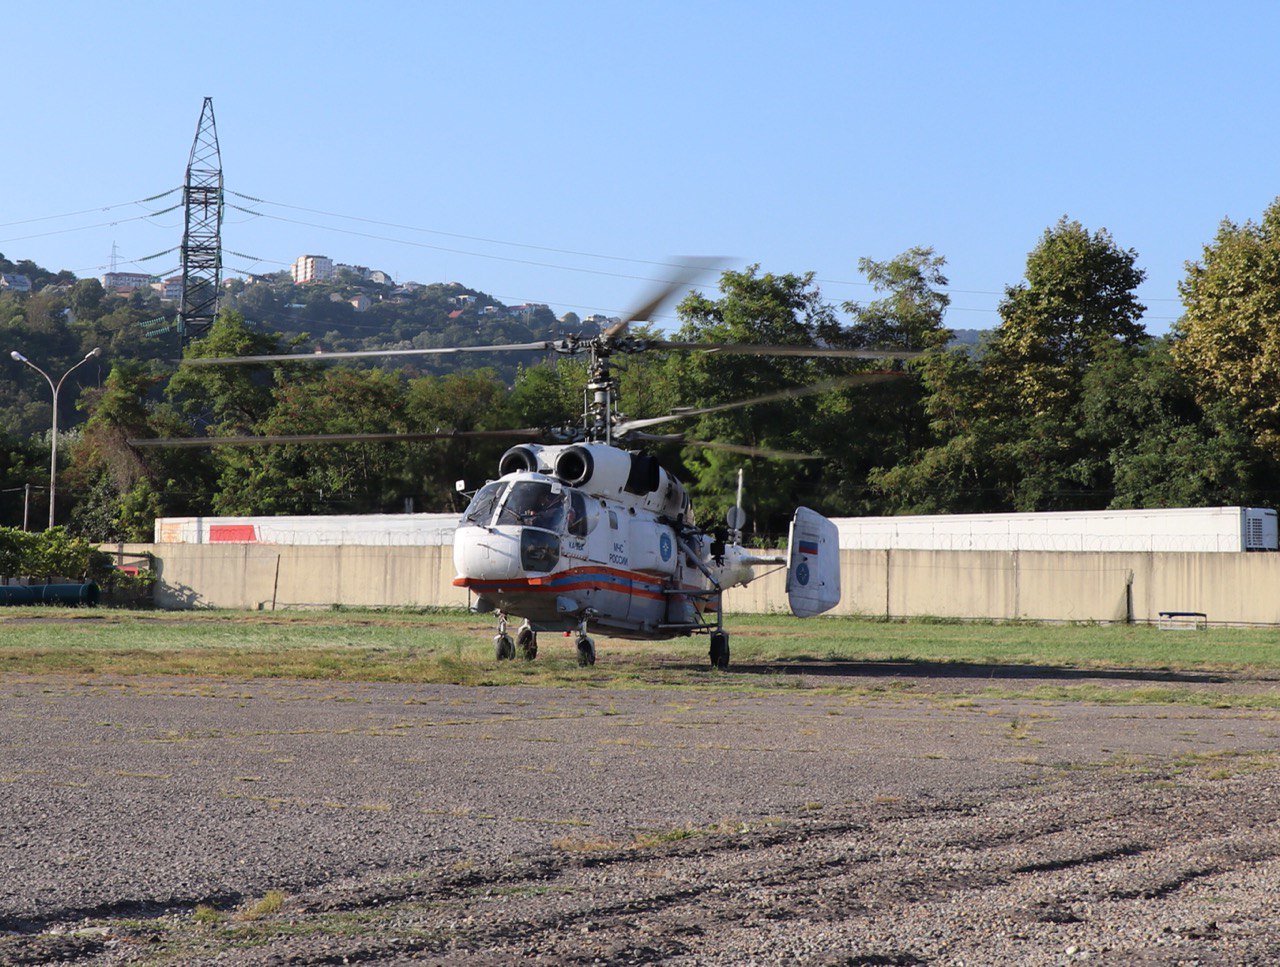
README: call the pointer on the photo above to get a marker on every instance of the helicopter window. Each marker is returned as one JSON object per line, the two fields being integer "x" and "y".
{"x": 533, "y": 503}
{"x": 613, "y": 521}
{"x": 577, "y": 514}
{"x": 480, "y": 510}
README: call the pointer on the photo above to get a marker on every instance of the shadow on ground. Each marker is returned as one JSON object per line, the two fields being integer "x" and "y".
{"x": 990, "y": 671}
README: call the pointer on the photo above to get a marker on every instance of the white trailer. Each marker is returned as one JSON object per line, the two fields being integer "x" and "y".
{"x": 1179, "y": 529}
{"x": 379, "y": 530}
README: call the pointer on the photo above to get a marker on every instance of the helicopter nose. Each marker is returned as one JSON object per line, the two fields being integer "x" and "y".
{"x": 487, "y": 553}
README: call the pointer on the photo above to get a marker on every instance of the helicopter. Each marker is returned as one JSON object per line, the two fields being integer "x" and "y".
{"x": 582, "y": 532}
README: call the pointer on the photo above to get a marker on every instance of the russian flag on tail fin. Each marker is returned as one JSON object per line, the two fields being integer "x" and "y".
{"x": 813, "y": 564}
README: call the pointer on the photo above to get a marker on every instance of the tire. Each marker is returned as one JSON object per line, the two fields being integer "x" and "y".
{"x": 527, "y": 642}
{"x": 586, "y": 651}
{"x": 503, "y": 648}
{"x": 720, "y": 650}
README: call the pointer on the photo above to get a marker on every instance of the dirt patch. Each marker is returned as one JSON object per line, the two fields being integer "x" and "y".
{"x": 147, "y": 819}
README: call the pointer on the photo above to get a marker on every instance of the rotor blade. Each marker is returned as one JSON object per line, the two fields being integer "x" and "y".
{"x": 358, "y": 354}
{"x": 795, "y": 392}
{"x": 261, "y": 441}
{"x": 753, "y": 349}
{"x": 756, "y": 451}
{"x": 681, "y": 439}
{"x": 688, "y": 270}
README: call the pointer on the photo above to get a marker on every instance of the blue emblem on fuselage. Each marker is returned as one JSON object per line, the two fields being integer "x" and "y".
{"x": 802, "y": 573}
{"x": 664, "y": 546}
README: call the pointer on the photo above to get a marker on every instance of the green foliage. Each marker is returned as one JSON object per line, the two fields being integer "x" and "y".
{"x": 910, "y": 315}
{"x": 1067, "y": 404}
{"x": 229, "y": 398}
{"x": 50, "y": 554}
{"x": 1229, "y": 338}
{"x": 1010, "y": 426}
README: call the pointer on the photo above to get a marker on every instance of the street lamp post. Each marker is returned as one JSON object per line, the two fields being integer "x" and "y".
{"x": 53, "y": 438}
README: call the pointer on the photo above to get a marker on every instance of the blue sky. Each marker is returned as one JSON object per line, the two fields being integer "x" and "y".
{"x": 561, "y": 152}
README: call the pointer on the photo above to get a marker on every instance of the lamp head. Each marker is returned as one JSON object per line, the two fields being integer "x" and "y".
{"x": 18, "y": 357}
{"x": 95, "y": 351}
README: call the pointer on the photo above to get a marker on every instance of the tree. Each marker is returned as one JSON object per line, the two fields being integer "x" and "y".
{"x": 227, "y": 399}
{"x": 1228, "y": 343}
{"x": 463, "y": 401}
{"x": 754, "y": 308}
{"x": 121, "y": 489}
{"x": 910, "y": 315}
{"x": 300, "y": 478}
{"x": 1007, "y": 424}
{"x": 1078, "y": 296}
{"x": 1160, "y": 448}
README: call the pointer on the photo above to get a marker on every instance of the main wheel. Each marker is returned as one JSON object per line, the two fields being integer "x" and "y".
{"x": 586, "y": 651}
{"x": 527, "y": 642}
{"x": 720, "y": 650}
{"x": 503, "y": 648}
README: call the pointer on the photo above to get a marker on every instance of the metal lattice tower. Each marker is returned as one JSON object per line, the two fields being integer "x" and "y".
{"x": 202, "y": 236}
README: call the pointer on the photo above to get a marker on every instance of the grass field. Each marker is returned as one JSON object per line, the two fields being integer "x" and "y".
{"x": 454, "y": 647}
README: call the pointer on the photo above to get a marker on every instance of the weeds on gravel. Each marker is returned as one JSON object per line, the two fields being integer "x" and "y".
{"x": 207, "y": 914}
{"x": 270, "y": 903}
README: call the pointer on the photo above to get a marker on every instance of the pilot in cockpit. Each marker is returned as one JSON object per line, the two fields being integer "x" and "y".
{"x": 546, "y": 511}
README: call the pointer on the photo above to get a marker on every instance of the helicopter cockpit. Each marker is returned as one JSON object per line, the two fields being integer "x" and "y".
{"x": 544, "y": 510}
{"x": 529, "y": 503}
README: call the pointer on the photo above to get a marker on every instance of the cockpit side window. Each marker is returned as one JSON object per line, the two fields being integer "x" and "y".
{"x": 577, "y": 514}
{"x": 483, "y": 504}
{"x": 533, "y": 503}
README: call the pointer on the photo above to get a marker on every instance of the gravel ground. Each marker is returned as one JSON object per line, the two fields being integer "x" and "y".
{"x": 147, "y": 821}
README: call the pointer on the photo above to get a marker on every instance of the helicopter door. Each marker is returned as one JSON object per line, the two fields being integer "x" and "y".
{"x": 813, "y": 564}
{"x": 616, "y": 547}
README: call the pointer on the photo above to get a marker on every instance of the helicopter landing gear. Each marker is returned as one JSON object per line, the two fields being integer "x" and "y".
{"x": 586, "y": 647}
{"x": 527, "y": 642}
{"x": 504, "y": 648}
{"x": 720, "y": 650}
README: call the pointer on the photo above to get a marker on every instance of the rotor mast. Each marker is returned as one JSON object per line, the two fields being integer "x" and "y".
{"x": 598, "y": 415}
{"x": 202, "y": 234}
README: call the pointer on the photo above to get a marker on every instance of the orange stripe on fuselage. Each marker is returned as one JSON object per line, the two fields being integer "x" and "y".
{"x": 561, "y": 581}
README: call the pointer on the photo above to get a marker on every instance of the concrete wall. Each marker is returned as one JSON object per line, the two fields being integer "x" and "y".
{"x": 1035, "y": 585}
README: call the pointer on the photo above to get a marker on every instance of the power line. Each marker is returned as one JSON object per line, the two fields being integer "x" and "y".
{"x": 89, "y": 211}
{"x": 84, "y": 228}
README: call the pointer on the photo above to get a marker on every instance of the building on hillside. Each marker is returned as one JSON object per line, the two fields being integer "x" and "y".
{"x": 311, "y": 268}
{"x": 526, "y": 310}
{"x": 126, "y": 281}
{"x": 170, "y": 289}
{"x": 15, "y": 283}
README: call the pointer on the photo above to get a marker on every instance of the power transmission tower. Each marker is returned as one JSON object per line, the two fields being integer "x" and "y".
{"x": 202, "y": 236}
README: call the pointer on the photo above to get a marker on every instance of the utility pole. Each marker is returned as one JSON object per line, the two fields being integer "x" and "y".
{"x": 202, "y": 235}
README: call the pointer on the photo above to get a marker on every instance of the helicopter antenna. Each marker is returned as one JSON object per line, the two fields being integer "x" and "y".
{"x": 737, "y": 517}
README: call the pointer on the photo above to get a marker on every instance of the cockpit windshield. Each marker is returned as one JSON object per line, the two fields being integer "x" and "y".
{"x": 532, "y": 503}
{"x": 483, "y": 504}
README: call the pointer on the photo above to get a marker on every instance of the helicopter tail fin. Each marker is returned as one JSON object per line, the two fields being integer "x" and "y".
{"x": 813, "y": 564}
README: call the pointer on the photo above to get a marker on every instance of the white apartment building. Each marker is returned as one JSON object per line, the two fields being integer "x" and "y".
{"x": 312, "y": 268}
{"x": 116, "y": 281}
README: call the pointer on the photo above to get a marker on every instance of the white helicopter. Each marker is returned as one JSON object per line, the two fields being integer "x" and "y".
{"x": 589, "y": 536}
{"x": 584, "y": 535}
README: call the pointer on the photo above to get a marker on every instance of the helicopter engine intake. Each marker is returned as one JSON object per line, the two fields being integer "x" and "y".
{"x": 519, "y": 459}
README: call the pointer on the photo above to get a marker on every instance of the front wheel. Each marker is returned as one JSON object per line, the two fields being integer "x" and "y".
{"x": 503, "y": 647}
{"x": 527, "y": 642}
{"x": 720, "y": 650}
{"x": 586, "y": 651}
